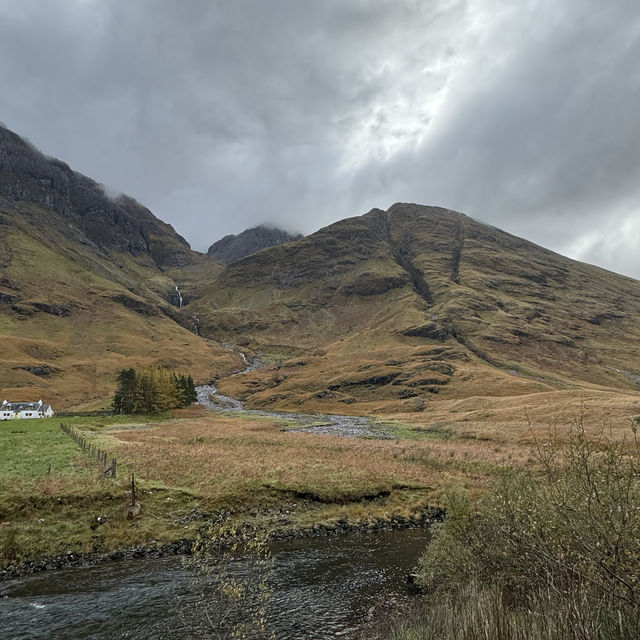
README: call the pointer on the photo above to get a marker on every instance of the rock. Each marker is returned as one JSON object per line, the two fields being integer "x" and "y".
{"x": 371, "y": 284}
{"x": 90, "y": 216}
{"x": 43, "y": 371}
{"x": 53, "y": 309}
{"x": 132, "y": 511}
{"x": 413, "y": 585}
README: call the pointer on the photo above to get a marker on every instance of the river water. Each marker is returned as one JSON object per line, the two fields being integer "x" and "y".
{"x": 327, "y": 587}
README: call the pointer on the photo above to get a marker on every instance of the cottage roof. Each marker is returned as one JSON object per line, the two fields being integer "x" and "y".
{"x": 24, "y": 406}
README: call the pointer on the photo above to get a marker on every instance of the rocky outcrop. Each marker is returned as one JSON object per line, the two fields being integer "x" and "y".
{"x": 371, "y": 284}
{"x": 120, "y": 223}
{"x": 232, "y": 248}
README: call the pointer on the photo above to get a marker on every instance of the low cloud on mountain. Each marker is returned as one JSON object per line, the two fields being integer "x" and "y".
{"x": 220, "y": 116}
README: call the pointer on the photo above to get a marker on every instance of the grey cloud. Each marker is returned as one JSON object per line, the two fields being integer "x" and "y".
{"x": 222, "y": 115}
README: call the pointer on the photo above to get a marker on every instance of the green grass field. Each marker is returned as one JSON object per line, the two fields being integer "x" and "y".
{"x": 31, "y": 450}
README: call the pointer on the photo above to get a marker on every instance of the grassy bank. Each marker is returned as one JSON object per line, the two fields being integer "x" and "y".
{"x": 55, "y": 498}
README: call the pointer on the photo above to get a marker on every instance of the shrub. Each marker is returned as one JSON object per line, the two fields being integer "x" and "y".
{"x": 563, "y": 542}
{"x": 232, "y": 570}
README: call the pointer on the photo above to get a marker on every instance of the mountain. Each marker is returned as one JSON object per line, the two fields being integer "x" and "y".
{"x": 416, "y": 309}
{"x": 232, "y": 248}
{"x": 86, "y": 214}
{"x": 393, "y": 310}
{"x": 86, "y": 284}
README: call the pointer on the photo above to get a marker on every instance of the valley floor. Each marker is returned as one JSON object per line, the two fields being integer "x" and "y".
{"x": 56, "y": 499}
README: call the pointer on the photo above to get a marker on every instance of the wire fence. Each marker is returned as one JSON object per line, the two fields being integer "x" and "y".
{"x": 109, "y": 465}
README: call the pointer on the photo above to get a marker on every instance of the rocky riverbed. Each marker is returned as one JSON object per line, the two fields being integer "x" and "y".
{"x": 328, "y": 424}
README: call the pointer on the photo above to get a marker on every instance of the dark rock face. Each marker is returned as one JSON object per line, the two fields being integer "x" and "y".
{"x": 136, "y": 304}
{"x": 43, "y": 371}
{"x": 372, "y": 284}
{"x": 53, "y": 309}
{"x": 235, "y": 247}
{"x": 7, "y": 298}
{"x": 122, "y": 224}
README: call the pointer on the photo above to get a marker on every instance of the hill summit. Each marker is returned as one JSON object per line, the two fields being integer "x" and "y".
{"x": 232, "y": 248}
{"x": 394, "y": 310}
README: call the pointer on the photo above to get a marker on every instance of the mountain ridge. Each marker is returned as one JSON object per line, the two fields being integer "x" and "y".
{"x": 397, "y": 311}
{"x": 122, "y": 224}
{"x": 502, "y": 300}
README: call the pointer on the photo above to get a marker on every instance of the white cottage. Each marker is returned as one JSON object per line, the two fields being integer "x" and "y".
{"x": 18, "y": 410}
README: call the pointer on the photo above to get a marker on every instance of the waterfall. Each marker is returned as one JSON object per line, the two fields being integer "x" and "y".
{"x": 179, "y": 297}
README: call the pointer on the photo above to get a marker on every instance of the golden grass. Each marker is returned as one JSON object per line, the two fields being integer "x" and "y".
{"x": 546, "y": 322}
{"x": 199, "y": 460}
{"x": 520, "y": 418}
{"x": 217, "y": 456}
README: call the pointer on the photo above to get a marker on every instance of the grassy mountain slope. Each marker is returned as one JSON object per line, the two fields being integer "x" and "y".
{"x": 412, "y": 309}
{"x": 85, "y": 287}
{"x": 392, "y": 310}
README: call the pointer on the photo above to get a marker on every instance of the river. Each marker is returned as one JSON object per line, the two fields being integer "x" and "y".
{"x": 326, "y": 587}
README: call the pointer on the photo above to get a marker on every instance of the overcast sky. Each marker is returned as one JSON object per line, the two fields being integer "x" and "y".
{"x": 220, "y": 115}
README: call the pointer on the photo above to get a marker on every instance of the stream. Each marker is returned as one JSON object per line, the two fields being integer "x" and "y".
{"x": 327, "y": 424}
{"x": 321, "y": 588}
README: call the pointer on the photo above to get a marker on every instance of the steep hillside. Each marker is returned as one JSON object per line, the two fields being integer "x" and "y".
{"x": 232, "y": 248}
{"x": 415, "y": 309}
{"x": 87, "y": 214}
{"x": 87, "y": 286}
{"x": 391, "y": 310}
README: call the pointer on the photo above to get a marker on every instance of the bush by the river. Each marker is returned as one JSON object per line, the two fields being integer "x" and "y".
{"x": 152, "y": 390}
{"x": 550, "y": 554}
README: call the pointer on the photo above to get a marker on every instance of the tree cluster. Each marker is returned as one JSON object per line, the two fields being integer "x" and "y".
{"x": 152, "y": 390}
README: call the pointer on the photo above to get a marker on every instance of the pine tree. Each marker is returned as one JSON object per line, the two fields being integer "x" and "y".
{"x": 181, "y": 387}
{"x": 146, "y": 391}
{"x": 124, "y": 400}
{"x": 192, "y": 395}
{"x": 167, "y": 395}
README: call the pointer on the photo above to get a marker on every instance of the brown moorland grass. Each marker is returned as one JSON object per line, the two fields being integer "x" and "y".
{"x": 216, "y": 454}
{"x": 520, "y": 418}
{"x": 199, "y": 462}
